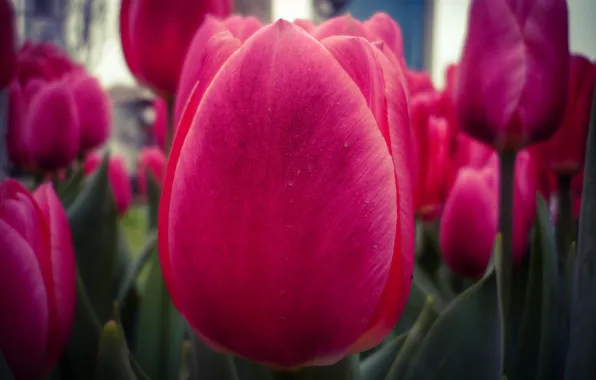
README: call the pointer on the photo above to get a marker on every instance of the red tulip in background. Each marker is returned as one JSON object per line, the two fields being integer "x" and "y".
{"x": 513, "y": 74}
{"x": 7, "y": 43}
{"x": 565, "y": 152}
{"x": 312, "y": 177}
{"x": 119, "y": 179}
{"x": 94, "y": 110}
{"x": 56, "y": 110}
{"x": 37, "y": 279}
{"x": 470, "y": 216}
{"x": 156, "y": 34}
{"x": 419, "y": 82}
{"x": 240, "y": 29}
{"x": 150, "y": 160}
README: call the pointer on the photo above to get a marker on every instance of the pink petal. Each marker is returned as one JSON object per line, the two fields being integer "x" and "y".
{"x": 301, "y": 191}
{"x": 342, "y": 26}
{"x": 305, "y": 24}
{"x": 386, "y": 29}
{"x": 152, "y": 160}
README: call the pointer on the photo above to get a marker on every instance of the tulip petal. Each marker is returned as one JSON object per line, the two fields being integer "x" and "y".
{"x": 24, "y": 321}
{"x": 63, "y": 270}
{"x": 297, "y": 184}
{"x": 387, "y": 30}
{"x": 342, "y": 26}
{"x": 127, "y": 50}
{"x": 305, "y": 24}
{"x": 243, "y": 27}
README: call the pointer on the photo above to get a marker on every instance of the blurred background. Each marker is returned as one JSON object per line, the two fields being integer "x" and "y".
{"x": 433, "y": 32}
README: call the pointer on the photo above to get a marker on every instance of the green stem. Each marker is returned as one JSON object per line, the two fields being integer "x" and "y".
{"x": 505, "y": 259}
{"x": 170, "y": 125}
{"x": 564, "y": 218}
{"x": 425, "y": 320}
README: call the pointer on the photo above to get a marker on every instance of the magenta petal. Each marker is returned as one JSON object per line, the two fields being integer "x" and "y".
{"x": 386, "y": 29}
{"x": 294, "y": 184}
{"x": 342, "y": 26}
{"x": 94, "y": 111}
{"x": 23, "y": 298}
{"x": 63, "y": 270}
{"x": 193, "y": 62}
{"x": 305, "y": 24}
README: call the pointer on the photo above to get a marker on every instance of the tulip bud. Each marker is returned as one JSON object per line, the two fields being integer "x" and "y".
{"x": 118, "y": 176}
{"x": 150, "y": 160}
{"x": 470, "y": 216}
{"x": 37, "y": 279}
{"x": 295, "y": 187}
{"x": 565, "y": 152}
{"x": 513, "y": 74}
{"x": 94, "y": 110}
{"x": 52, "y": 127}
{"x": 156, "y": 35}
{"x": 7, "y": 43}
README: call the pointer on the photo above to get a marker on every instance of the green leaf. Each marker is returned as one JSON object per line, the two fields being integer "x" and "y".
{"x": 129, "y": 279}
{"x": 79, "y": 358}
{"x": 69, "y": 190}
{"x": 465, "y": 341}
{"x": 376, "y": 366}
{"x": 427, "y": 317}
{"x": 581, "y": 362}
{"x": 414, "y": 305}
{"x": 535, "y": 356}
{"x": 113, "y": 357}
{"x": 153, "y": 195}
{"x": 93, "y": 222}
{"x": 346, "y": 369}
{"x": 247, "y": 370}
{"x": 209, "y": 364}
{"x": 5, "y": 373}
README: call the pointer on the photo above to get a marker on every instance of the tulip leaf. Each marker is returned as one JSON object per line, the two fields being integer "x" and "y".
{"x": 413, "y": 307}
{"x": 93, "y": 222}
{"x": 209, "y": 364}
{"x": 113, "y": 357}
{"x": 346, "y": 369}
{"x": 153, "y": 195}
{"x": 5, "y": 373}
{"x": 160, "y": 328}
{"x": 534, "y": 356}
{"x": 581, "y": 363}
{"x": 377, "y": 365}
{"x": 129, "y": 279}
{"x": 248, "y": 370}
{"x": 465, "y": 341}
{"x": 69, "y": 190}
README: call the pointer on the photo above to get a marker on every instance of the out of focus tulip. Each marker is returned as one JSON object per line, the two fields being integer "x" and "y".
{"x": 470, "y": 217}
{"x": 94, "y": 110}
{"x": 150, "y": 160}
{"x": 513, "y": 74}
{"x": 52, "y": 128}
{"x": 155, "y": 37}
{"x": 43, "y": 61}
{"x": 7, "y": 43}
{"x": 37, "y": 279}
{"x": 565, "y": 152}
{"x": 380, "y": 27}
{"x": 239, "y": 28}
{"x": 160, "y": 122}
{"x": 118, "y": 176}
{"x": 325, "y": 193}
{"x": 419, "y": 82}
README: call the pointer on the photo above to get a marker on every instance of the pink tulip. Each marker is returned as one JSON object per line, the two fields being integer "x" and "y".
{"x": 51, "y": 127}
{"x": 513, "y": 74}
{"x": 7, "y": 43}
{"x": 312, "y": 177}
{"x": 565, "y": 151}
{"x": 43, "y": 61}
{"x": 150, "y": 160}
{"x": 37, "y": 279}
{"x": 470, "y": 216}
{"x": 240, "y": 29}
{"x": 94, "y": 110}
{"x": 118, "y": 176}
{"x": 305, "y": 24}
{"x": 419, "y": 82}
{"x": 155, "y": 37}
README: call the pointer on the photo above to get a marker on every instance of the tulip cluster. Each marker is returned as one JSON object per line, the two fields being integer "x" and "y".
{"x": 57, "y": 111}
{"x": 310, "y": 206}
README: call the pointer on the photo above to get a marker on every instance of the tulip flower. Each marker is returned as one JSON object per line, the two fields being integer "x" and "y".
{"x": 470, "y": 217}
{"x": 52, "y": 127}
{"x": 94, "y": 110}
{"x": 37, "y": 279}
{"x": 43, "y": 61}
{"x": 312, "y": 177}
{"x": 155, "y": 37}
{"x": 239, "y": 27}
{"x": 150, "y": 160}
{"x": 160, "y": 122}
{"x": 305, "y": 24}
{"x": 380, "y": 27}
{"x": 513, "y": 74}
{"x": 419, "y": 82}
{"x": 565, "y": 152}
{"x": 7, "y": 43}
{"x": 118, "y": 176}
